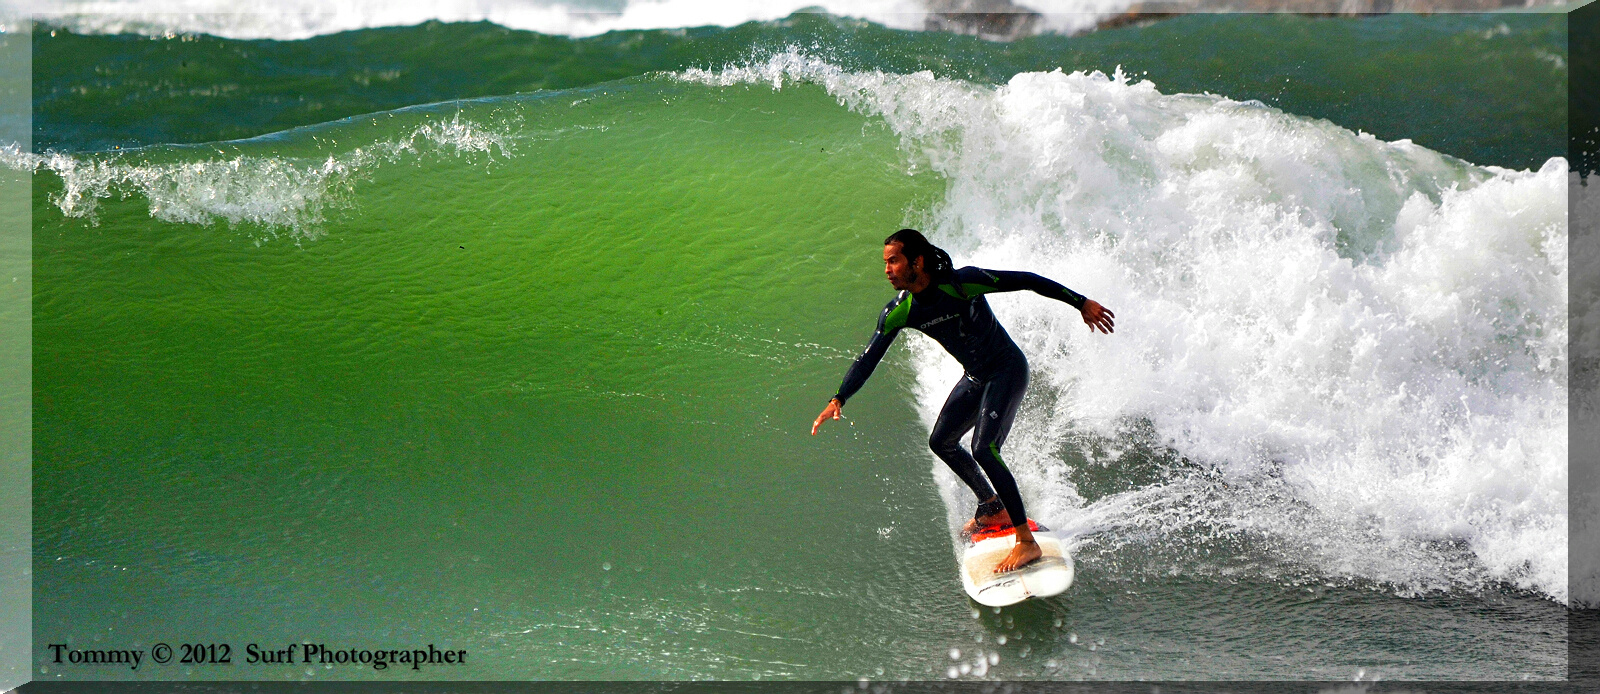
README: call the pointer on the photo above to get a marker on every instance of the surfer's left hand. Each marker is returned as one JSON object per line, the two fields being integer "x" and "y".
{"x": 1097, "y": 316}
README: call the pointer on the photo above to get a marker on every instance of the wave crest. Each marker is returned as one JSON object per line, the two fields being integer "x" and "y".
{"x": 276, "y": 194}
{"x": 1357, "y": 349}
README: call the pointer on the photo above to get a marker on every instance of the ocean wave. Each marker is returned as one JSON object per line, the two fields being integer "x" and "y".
{"x": 1346, "y": 353}
{"x": 1363, "y": 342}
{"x": 276, "y": 194}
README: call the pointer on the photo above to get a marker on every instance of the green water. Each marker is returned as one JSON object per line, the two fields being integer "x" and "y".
{"x": 541, "y": 389}
{"x": 456, "y": 419}
{"x": 1489, "y": 88}
{"x": 553, "y": 408}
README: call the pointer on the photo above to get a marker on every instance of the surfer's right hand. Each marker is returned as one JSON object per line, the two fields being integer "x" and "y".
{"x": 829, "y": 412}
{"x": 1097, "y": 316}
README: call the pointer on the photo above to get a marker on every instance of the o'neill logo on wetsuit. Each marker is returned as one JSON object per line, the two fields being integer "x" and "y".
{"x": 937, "y": 321}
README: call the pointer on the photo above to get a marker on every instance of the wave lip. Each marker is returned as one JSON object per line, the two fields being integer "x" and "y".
{"x": 1354, "y": 351}
{"x": 275, "y": 193}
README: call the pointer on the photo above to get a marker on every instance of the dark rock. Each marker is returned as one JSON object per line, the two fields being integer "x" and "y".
{"x": 993, "y": 20}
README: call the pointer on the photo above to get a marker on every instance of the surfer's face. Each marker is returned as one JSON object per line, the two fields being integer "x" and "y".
{"x": 902, "y": 274}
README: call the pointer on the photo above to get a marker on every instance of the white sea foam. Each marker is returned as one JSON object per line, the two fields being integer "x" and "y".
{"x": 1354, "y": 350}
{"x": 299, "y": 19}
{"x": 274, "y": 193}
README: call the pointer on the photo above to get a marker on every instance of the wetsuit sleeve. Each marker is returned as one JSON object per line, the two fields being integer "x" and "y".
{"x": 890, "y": 322}
{"x": 978, "y": 281}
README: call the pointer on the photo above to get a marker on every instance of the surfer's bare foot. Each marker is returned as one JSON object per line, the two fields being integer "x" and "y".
{"x": 1021, "y": 553}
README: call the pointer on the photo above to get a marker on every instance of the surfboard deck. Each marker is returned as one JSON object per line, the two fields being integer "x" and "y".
{"x": 1050, "y": 574}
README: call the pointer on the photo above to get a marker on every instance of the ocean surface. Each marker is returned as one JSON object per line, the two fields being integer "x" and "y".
{"x": 510, "y": 343}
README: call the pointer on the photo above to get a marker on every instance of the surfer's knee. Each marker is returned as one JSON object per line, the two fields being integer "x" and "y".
{"x": 989, "y": 459}
{"x": 984, "y": 454}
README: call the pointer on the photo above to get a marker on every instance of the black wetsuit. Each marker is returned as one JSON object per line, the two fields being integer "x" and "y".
{"x": 955, "y": 314}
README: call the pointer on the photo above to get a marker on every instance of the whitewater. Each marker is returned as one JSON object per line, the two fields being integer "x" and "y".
{"x": 384, "y": 362}
{"x": 1349, "y": 354}
{"x": 1339, "y": 358}
{"x": 1353, "y": 352}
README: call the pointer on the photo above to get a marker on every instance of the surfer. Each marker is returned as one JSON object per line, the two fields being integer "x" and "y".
{"x": 947, "y": 305}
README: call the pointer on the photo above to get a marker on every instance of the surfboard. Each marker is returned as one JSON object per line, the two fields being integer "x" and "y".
{"x": 1050, "y": 574}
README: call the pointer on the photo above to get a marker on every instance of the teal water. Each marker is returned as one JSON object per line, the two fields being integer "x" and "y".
{"x": 532, "y": 376}
{"x": 1489, "y": 88}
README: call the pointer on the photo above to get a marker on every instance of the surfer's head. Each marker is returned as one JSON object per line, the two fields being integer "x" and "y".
{"x": 908, "y": 258}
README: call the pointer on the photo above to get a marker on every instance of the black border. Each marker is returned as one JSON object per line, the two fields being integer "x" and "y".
{"x": 913, "y": 687}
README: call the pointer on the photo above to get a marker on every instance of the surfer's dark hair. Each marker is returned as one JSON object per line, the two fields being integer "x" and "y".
{"x": 935, "y": 261}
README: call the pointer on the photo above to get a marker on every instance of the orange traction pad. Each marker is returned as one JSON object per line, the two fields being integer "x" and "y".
{"x": 989, "y": 531}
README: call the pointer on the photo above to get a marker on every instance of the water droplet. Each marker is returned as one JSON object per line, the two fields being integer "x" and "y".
{"x": 606, "y": 566}
{"x": 1058, "y": 622}
{"x": 1001, "y": 639}
{"x": 965, "y": 668}
{"x": 952, "y": 673}
{"x": 974, "y": 611}
{"x": 1072, "y": 638}
{"x": 955, "y": 654}
{"x": 1051, "y": 664}
{"x": 994, "y": 658}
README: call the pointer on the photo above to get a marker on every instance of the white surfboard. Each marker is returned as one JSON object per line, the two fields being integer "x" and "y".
{"x": 1050, "y": 574}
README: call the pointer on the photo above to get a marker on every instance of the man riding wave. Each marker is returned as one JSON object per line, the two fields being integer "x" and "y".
{"x": 947, "y": 305}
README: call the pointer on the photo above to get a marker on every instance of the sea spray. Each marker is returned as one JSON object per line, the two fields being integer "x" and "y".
{"x": 1368, "y": 332}
{"x": 1353, "y": 352}
{"x": 640, "y": 311}
{"x": 275, "y": 193}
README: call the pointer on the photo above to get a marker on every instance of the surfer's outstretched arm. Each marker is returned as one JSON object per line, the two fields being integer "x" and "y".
{"x": 890, "y": 322}
{"x": 980, "y": 281}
